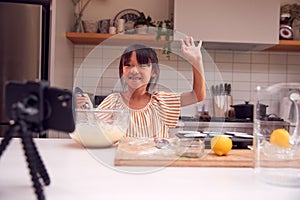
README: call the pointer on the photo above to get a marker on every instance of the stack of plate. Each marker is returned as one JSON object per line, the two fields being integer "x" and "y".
{"x": 191, "y": 134}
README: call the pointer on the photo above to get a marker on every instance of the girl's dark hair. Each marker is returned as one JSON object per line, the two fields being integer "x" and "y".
{"x": 144, "y": 55}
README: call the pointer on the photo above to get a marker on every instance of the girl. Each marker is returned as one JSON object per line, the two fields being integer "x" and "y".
{"x": 152, "y": 113}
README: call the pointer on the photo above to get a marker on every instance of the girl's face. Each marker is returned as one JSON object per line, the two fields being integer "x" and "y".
{"x": 136, "y": 75}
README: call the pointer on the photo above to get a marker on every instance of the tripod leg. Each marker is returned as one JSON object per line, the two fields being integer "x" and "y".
{"x": 7, "y": 137}
{"x": 32, "y": 165}
{"x": 41, "y": 169}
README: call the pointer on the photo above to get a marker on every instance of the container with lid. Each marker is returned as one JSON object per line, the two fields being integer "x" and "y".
{"x": 243, "y": 111}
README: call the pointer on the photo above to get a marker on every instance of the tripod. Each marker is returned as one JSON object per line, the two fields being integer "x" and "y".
{"x": 36, "y": 166}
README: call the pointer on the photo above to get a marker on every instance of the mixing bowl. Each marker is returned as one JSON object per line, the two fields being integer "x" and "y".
{"x": 100, "y": 128}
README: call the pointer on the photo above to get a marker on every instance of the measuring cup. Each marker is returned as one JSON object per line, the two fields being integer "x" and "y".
{"x": 277, "y": 139}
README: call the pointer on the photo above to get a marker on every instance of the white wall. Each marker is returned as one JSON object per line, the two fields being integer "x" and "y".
{"x": 244, "y": 70}
{"x": 108, "y": 9}
{"x": 289, "y": 2}
{"x": 61, "y": 49}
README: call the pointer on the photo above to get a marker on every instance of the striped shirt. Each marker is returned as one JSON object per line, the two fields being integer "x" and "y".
{"x": 154, "y": 119}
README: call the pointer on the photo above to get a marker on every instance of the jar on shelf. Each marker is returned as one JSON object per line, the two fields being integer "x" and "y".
{"x": 78, "y": 25}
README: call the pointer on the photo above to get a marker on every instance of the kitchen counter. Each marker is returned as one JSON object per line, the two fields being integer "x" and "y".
{"x": 77, "y": 173}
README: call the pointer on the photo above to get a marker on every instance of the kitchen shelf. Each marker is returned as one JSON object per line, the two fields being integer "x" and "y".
{"x": 150, "y": 40}
{"x": 286, "y": 45}
{"x": 119, "y": 39}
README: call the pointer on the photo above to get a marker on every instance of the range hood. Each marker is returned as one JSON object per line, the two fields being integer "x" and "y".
{"x": 233, "y": 44}
{"x": 229, "y": 46}
{"x": 236, "y": 46}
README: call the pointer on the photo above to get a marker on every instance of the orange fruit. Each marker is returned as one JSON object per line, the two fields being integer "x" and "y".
{"x": 280, "y": 137}
{"x": 221, "y": 144}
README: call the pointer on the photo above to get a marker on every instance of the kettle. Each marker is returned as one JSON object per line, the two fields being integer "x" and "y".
{"x": 288, "y": 110}
{"x": 285, "y": 109}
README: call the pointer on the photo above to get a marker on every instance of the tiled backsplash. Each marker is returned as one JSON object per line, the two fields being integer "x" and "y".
{"x": 96, "y": 71}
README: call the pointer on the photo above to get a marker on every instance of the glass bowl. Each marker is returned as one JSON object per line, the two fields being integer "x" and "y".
{"x": 190, "y": 147}
{"x": 100, "y": 128}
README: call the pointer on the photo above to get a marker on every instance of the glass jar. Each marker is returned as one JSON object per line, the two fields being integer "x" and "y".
{"x": 276, "y": 138}
{"x": 78, "y": 25}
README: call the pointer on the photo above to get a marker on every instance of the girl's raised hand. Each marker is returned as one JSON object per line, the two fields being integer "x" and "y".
{"x": 191, "y": 51}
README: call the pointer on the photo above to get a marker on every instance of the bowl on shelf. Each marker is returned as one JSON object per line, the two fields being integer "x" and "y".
{"x": 90, "y": 26}
{"x": 100, "y": 128}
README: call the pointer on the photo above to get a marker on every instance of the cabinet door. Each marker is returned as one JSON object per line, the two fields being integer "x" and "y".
{"x": 233, "y": 21}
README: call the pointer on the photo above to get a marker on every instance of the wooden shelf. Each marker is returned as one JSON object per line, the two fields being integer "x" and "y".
{"x": 150, "y": 40}
{"x": 119, "y": 39}
{"x": 286, "y": 45}
{"x": 87, "y": 38}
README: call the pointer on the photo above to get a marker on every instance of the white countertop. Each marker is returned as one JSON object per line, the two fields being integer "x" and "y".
{"x": 76, "y": 173}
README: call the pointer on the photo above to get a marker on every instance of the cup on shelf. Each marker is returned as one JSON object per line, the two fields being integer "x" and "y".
{"x": 104, "y": 25}
{"x": 112, "y": 30}
{"x": 121, "y": 25}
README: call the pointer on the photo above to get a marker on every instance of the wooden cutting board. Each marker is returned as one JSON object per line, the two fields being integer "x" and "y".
{"x": 159, "y": 157}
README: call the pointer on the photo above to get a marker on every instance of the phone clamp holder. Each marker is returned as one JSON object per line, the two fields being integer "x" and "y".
{"x": 30, "y": 111}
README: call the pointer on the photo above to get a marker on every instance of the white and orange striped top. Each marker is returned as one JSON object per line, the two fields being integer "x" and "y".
{"x": 154, "y": 119}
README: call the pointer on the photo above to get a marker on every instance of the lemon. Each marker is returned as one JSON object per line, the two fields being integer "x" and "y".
{"x": 221, "y": 145}
{"x": 280, "y": 137}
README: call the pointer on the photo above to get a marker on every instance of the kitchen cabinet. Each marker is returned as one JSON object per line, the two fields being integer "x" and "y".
{"x": 228, "y": 24}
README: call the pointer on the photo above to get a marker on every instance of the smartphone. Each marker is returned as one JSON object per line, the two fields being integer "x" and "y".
{"x": 40, "y": 106}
